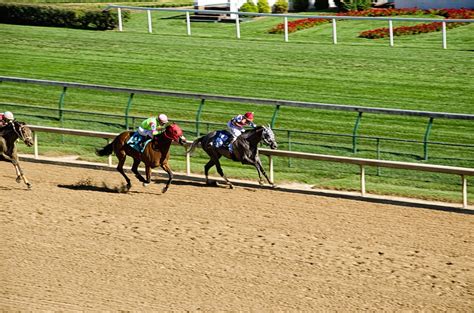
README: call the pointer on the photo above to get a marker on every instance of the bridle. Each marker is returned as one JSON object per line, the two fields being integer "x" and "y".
{"x": 21, "y": 132}
{"x": 268, "y": 136}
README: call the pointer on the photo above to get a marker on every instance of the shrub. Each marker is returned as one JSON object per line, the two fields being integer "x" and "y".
{"x": 300, "y": 5}
{"x": 321, "y": 4}
{"x": 43, "y": 15}
{"x": 353, "y": 5}
{"x": 280, "y": 6}
{"x": 263, "y": 6}
{"x": 249, "y": 6}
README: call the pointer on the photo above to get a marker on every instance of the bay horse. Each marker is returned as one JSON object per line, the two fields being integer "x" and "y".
{"x": 156, "y": 153}
{"x": 245, "y": 150}
{"x": 8, "y": 151}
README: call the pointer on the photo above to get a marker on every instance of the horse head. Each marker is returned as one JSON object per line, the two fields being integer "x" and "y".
{"x": 175, "y": 133}
{"x": 23, "y": 132}
{"x": 268, "y": 137}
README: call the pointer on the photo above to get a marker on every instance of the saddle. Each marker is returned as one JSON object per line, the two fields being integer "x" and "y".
{"x": 138, "y": 142}
{"x": 222, "y": 139}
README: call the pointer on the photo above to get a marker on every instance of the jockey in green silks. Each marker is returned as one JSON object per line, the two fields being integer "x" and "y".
{"x": 153, "y": 126}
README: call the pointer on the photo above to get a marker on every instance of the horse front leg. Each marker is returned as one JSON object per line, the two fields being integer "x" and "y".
{"x": 20, "y": 175}
{"x": 148, "y": 176}
{"x": 260, "y": 168}
{"x": 135, "y": 171}
{"x": 167, "y": 169}
{"x": 19, "y": 172}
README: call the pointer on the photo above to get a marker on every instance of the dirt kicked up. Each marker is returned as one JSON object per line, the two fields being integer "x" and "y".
{"x": 74, "y": 242}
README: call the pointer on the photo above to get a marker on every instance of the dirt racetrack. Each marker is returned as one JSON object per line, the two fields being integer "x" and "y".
{"x": 74, "y": 243}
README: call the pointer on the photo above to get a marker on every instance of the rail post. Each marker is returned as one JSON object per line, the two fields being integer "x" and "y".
{"x": 286, "y": 28}
{"x": 150, "y": 29}
{"x": 188, "y": 162}
{"x": 61, "y": 105}
{"x": 270, "y": 168}
{"x": 390, "y": 31}
{"x": 237, "y": 26}
{"x": 425, "y": 139}
{"x": 362, "y": 180}
{"x": 119, "y": 13}
{"x": 198, "y": 117}
{"x": 109, "y": 159}
{"x": 378, "y": 155}
{"x": 188, "y": 24}
{"x": 445, "y": 45}
{"x": 127, "y": 109}
{"x": 464, "y": 191}
{"x": 334, "y": 31}
{"x": 275, "y": 114}
{"x": 354, "y": 133}
{"x": 289, "y": 147}
{"x": 35, "y": 138}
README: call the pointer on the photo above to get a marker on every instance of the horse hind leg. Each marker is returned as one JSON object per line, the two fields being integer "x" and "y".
{"x": 135, "y": 171}
{"x": 121, "y": 171}
{"x": 221, "y": 172}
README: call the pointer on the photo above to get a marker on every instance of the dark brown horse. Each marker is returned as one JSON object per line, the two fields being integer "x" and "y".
{"x": 245, "y": 150}
{"x": 8, "y": 152}
{"x": 156, "y": 153}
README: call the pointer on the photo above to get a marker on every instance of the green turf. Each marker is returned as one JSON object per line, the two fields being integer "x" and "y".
{"x": 416, "y": 74}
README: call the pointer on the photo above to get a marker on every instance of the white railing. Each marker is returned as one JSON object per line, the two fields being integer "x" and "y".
{"x": 363, "y": 163}
{"x": 333, "y": 18}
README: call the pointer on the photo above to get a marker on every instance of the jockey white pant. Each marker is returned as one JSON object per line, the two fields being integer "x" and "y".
{"x": 144, "y": 132}
{"x": 235, "y": 131}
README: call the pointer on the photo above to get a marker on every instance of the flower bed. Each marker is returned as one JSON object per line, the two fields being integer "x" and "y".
{"x": 296, "y": 25}
{"x": 421, "y": 28}
{"x": 306, "y": 23}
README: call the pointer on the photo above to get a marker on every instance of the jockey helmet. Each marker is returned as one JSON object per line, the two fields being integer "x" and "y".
{"x": 163, "y": 118}
{"x": 249, "y": 116}
{"x": 8, "y": 115}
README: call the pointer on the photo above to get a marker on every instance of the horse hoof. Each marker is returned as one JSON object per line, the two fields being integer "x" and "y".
{"x": 231, "y": 186}
{"x": 145, "y": 184}
{"x": 29, "y": 186}
{"x": 164, "y": 190}
{"x": 212, "y": 183}
{"x": 18, "y": 179}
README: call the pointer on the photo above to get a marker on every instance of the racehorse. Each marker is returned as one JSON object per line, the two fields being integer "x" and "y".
{"x": 8, "y": 152}
{"x": 244, "y": 148}
{"x": 156, "y": 153}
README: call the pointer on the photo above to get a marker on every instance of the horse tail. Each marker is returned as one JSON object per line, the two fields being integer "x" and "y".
{"x": 195, "y": 143}
{"x": 107, "y": 150}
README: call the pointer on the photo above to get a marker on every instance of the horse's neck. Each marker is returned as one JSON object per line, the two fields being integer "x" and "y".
{"x": 163, "y": 142}
{"x": 8, "y": 133}
{"x": 253, "y": 136}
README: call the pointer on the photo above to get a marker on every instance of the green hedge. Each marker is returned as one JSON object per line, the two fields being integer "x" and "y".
{"x": 46, "y": 15}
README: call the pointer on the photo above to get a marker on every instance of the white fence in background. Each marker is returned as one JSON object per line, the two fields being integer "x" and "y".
{"x": 388, "y": 20}
{"x": 362, "y": 163}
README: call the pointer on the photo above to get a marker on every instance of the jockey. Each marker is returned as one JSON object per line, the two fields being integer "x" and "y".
{"x": 153, "y": 126}
{"x": 6, "y": 118}
{"x": 236, "y": 125}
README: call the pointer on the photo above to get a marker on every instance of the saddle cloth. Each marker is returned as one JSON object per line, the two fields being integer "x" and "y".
{"x": 221, "y": 139}
{"x": 138, "y": 142}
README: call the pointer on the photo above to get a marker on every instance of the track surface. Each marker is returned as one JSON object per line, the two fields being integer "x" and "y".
{"x": 73, "y": 243}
